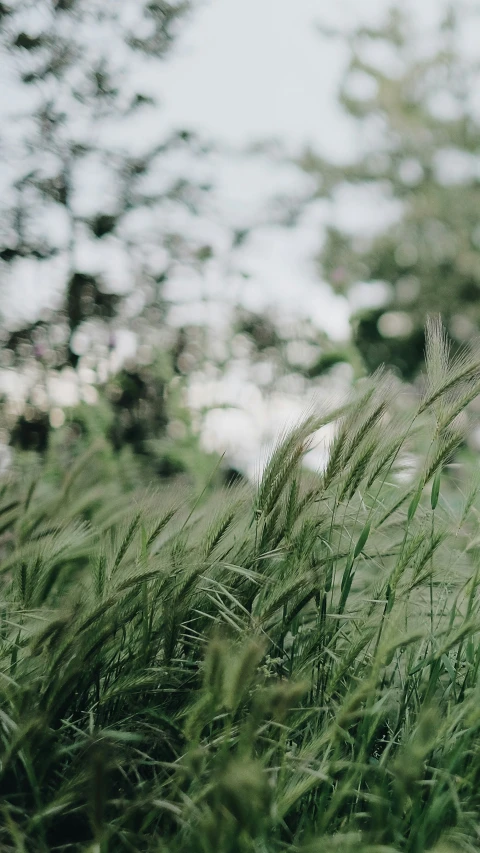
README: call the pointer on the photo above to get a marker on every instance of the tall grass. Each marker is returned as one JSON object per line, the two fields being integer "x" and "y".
{"x": 293, "y": 667}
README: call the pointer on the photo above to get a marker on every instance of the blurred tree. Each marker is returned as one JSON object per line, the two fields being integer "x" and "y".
{"x": 95, "y": 203}
{"x": 96, "y": 214}
{"x": 412, "y": 91}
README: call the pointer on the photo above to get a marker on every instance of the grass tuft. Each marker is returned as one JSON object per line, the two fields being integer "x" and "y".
{"x": 292, "y": 667}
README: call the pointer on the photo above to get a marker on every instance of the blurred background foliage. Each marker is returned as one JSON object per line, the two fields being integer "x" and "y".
{"x": 81, "y": 185}
{"x": 414, "y": 100}
{"x": 78, "y": 188}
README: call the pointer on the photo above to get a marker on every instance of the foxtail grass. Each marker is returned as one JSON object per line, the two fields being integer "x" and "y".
{"x": 292, "y": 666}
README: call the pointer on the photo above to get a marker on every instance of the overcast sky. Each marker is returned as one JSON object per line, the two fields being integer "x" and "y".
{"x": 249, "y": 70}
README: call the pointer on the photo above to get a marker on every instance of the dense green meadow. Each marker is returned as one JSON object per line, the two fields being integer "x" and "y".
{"x": 291, "y": 666}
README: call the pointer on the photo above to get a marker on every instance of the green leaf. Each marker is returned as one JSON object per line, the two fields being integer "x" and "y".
{"x": 413, "y": 506}
{"x": 435, "y": 489}
{"x": 362, "y": 540}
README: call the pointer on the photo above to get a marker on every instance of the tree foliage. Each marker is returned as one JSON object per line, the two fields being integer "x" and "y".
{"x": 412, "y": 94}
{"x": 90, "y": 197}
{"x": 97, "y": 204}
